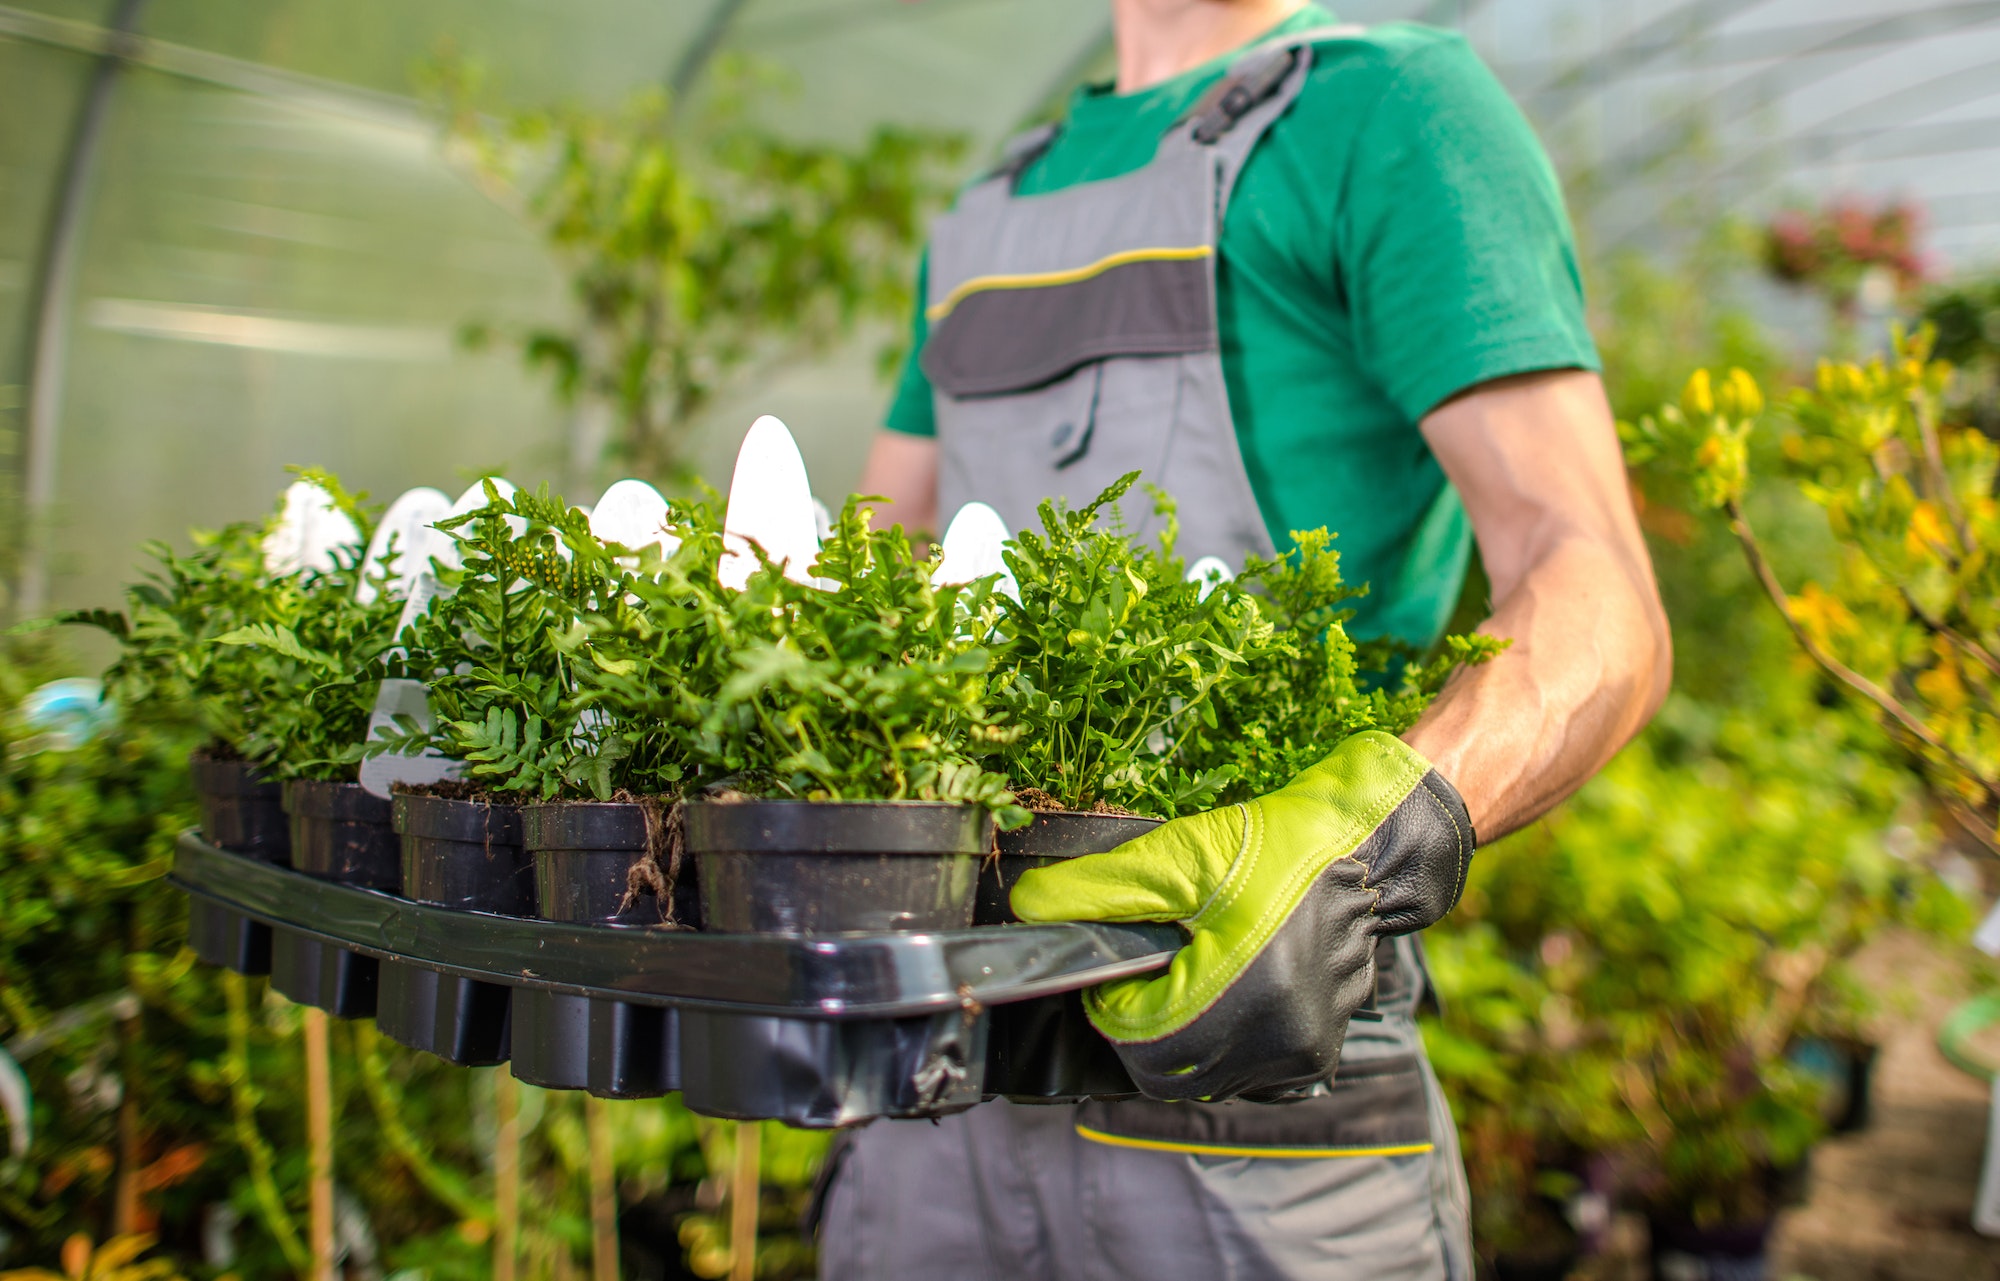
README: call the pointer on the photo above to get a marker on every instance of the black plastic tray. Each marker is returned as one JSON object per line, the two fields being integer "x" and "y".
{"x": 826, "y": 1030}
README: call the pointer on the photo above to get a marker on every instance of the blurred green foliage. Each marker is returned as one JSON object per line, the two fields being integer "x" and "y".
{"x": 1966, "y": 318}
{"x": 1625, "y": 983}
{"x": 698, "y": 245}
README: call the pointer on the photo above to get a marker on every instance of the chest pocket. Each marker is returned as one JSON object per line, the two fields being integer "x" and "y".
{"x": 1073, "y": 333}
{"x": 1000, "y": 334}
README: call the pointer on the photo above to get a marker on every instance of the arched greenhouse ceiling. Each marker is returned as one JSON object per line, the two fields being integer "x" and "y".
{"x": 272, "y": 256}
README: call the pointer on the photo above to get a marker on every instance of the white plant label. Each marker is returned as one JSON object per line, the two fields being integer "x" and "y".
{"x": 771, "y": 505}
{"x": 972, "y": 546}
{"x": 1208, "y": 571}
{"x": 400, "y": 697}
{"x": 380, "y": 774}
{"x": 405, "y": 531}
{"x": 309, "y": 529}
{"x": 1986, "y": 1207}
{"x": 633, "y": 513}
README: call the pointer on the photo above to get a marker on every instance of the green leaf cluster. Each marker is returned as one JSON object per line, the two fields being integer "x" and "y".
{"x": 867, "y": 686}
{"x": 698, "y": 243}
{"x": 1907, "y": 615}
{"x": 558, "y": 665}
{"x": 1632, "y": 977}
{"x": 500, "y": 646}
{"x": 1134, "y": 688}
{"x": 278, "y": 670}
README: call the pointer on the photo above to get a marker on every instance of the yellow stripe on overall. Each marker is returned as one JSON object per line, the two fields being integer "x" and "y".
{"x": 1042, "y": 279}
{"x": 1213, "y": 1149}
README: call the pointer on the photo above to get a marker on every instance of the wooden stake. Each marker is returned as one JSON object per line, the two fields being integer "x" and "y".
{"x": 506, "y": 1175}
{"x": 125, "y": 1192}
{"x": 743, "y": 1193}
{"x": 603, "y": 1191}
{"x": 319, "y": 1144}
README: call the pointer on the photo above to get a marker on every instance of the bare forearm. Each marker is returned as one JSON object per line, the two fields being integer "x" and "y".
{"x": 1588, "y": 666}
{"x": 903, "y": 469}
{"x": 1536, "y": 460}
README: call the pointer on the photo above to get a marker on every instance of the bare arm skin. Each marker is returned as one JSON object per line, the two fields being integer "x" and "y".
{"x": 1536, "y": 460}
{"x": 903, "y": 469}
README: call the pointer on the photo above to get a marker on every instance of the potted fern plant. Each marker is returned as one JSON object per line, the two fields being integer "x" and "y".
{"x": 1139, "y": 695}
{"x": 844, "y": 721}
{"x": 561, "y": 810}
{"x": 169, "y": 667}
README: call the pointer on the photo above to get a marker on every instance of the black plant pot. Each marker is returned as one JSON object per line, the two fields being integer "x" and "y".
{"x": 821, "y": 867}
{"x": 343, "y": 832}
{"x": 1045, "y": 1050}
{"x": 583, "y": 855}
{"x": 241, "y": 811}
{"x": 584, "y": 852}
{"x": 1052, "y": 836}
{"x": 465, "y": 855}
{"x": 340, "y": 832}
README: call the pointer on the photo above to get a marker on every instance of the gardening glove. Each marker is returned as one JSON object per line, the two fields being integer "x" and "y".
{"x": 1284, "y": 898}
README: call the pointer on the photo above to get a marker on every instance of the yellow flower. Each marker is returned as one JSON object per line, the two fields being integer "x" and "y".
{"x": 1941, "y": 685}
{"x": 1743, "y": 393}
{"x": 1699, "y": 397}
{"x": 1821, "y": 613}
{"x": 1928, "y": 535}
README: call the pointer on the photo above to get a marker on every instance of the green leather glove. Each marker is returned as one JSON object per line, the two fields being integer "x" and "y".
{"x": 1283, "y": 898}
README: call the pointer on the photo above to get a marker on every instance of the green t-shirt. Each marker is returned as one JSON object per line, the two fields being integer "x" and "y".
{"x": 1397, "y": 237}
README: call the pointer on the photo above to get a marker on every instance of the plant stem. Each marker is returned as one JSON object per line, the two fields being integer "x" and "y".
{"x": 125, "y": 1193}
{"x": 1846, "y": 675}
{"x": 319, "y": 1143}
{"x": 603, "y": 1191}
{"x": 1938, "y": 627}
{"x": 743, "y": 1196}
{"x": 506, "y": 1174}
{"x": 256, "y": 1152}
{"x": 1926, "y": 415}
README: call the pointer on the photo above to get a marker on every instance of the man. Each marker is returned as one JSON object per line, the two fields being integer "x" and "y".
{"x": 1299, "y": 275}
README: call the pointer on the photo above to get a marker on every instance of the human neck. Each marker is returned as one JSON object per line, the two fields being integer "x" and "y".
{"x": 1159, "y": 39}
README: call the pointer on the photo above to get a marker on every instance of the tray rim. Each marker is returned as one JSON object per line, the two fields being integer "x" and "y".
{"x": 832, "y": 976}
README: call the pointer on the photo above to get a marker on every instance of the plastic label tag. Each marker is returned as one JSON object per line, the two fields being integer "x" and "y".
{"x": 1986, "y": 1210}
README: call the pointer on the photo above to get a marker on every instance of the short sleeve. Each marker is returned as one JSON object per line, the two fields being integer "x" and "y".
{"x": 1452, "y": 241}
{"x": 913, "y": 412}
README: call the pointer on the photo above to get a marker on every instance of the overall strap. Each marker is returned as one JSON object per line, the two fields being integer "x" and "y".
{"x": 1258, "y": 73}
{"x": 1019, "y": 152}
{"x": 1228, "y": 121}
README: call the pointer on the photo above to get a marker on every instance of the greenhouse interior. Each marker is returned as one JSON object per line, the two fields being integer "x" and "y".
{"x": 565, "y": 719}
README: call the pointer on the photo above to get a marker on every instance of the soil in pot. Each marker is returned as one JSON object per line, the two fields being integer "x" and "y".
{"x": 241, "y": 810}
{"x": 1053, "y": 835}
{"x": 819, "y": 867}
{"x": 462, "y": 853}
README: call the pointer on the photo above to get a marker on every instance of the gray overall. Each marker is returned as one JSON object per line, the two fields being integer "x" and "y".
{"x": 1073, "y": 339}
